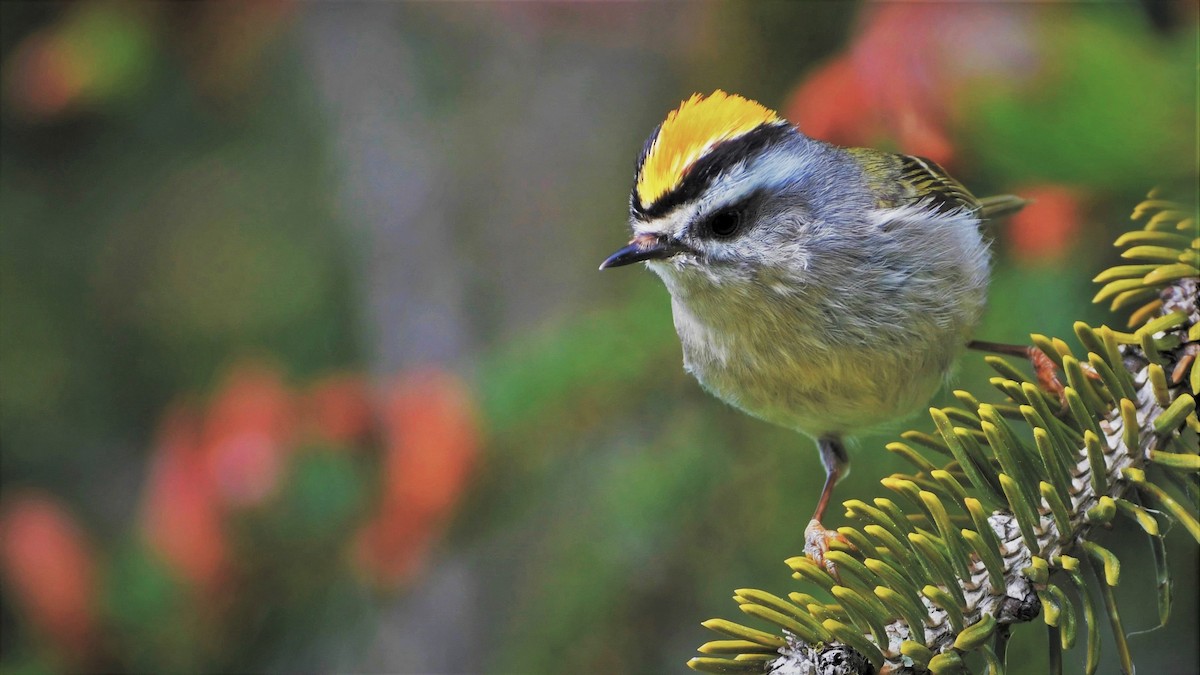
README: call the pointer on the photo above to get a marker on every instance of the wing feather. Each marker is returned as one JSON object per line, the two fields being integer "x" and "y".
{"x": 928, "y": 181}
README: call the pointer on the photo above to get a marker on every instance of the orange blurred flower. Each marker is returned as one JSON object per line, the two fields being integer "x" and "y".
{"x": 338, "y": 408}
{"x": 1044, "y": 230}
{"x": 392, "y": 547}
{"x": 92, "y": 53}
{"x": 246, "y": 434}
{"x": 49, "y": 568}
{"x": 832, "y": 105}
{"x": 233, "y": 456}
{"x": 905, "y": 72}
{"x": 432, "y": 441}
{"x": 45, "y": 76}
{"x": 181, "y": 514}
{"x": 204, "y": 465}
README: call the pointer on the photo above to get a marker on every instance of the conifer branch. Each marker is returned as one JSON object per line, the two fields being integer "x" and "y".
{"x": 1032, "y": 478}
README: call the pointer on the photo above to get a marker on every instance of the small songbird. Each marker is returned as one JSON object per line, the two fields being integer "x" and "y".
{"x": 821, "y": 288}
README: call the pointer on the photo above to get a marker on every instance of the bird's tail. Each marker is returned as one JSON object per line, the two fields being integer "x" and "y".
{"x": 998, "y": 206}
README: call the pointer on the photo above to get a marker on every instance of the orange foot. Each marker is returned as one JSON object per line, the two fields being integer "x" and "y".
{"x": 1047, "y": 375}
{"x": 816, "y": 545}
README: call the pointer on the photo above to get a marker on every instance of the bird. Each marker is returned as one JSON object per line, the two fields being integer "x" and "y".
{"x": 825, "y": 289}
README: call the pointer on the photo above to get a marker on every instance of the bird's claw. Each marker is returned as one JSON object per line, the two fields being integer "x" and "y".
{"x": 817, "y": 543}
{"x": 1047, "y": 376}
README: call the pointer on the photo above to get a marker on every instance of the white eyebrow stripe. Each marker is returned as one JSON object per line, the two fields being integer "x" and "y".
{"x": 771, "y": 169}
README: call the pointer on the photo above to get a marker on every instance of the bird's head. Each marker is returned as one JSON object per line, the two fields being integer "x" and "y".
{"x": 723, "y": 191}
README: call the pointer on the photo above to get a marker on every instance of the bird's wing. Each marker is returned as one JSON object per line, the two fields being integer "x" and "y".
{"x": 899, "y": 181}
{"x": 925, "y": 181}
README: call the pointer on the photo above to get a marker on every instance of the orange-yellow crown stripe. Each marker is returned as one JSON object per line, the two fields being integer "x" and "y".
{"x": 690, "y": 131}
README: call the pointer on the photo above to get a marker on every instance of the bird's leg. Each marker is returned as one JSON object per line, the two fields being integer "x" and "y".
{"x": 1043, "y": 367}
{"x": 816, "y": 537}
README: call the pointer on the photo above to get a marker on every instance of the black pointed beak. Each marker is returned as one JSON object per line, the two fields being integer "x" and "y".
{"x": 644, "y": 247}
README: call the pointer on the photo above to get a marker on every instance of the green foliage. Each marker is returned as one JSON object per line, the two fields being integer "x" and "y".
{"x": 1081, "y": 126}
{"x": 598, "y": 353}
{"x": 1005, "y": 530}
{"x": 151, "y": 612}
{"x": 322, "y": 500}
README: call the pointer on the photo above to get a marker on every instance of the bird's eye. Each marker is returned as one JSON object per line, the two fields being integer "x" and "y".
{"x": 725, "y": 223}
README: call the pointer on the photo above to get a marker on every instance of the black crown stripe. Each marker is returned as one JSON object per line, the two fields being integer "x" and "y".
{"x": 700, "y": 175}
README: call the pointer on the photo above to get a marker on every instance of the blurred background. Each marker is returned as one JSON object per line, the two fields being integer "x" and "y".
{"x": 305, "y": 363}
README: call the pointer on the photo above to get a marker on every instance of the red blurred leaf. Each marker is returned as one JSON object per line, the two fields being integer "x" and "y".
{"x": 49, "y": 568}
